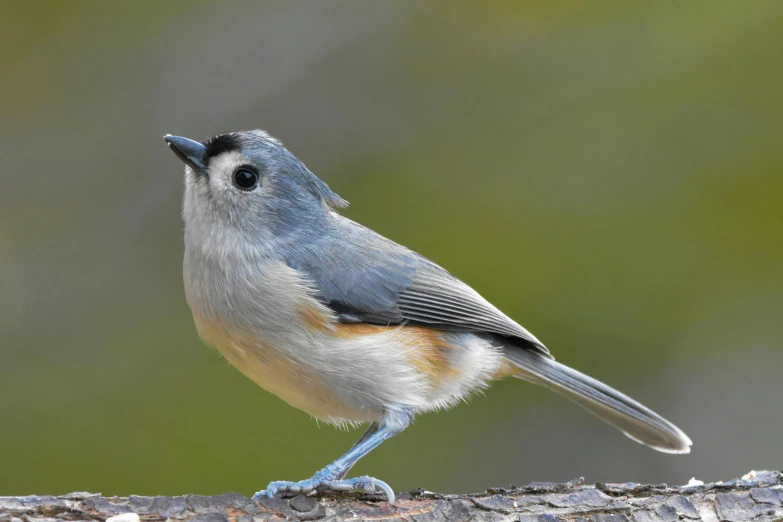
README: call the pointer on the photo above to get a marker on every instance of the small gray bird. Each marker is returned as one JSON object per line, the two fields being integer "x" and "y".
{"x": 343, "y": 323}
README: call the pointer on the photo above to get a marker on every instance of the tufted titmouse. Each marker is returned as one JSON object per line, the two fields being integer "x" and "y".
{"x": 343, "y": 323}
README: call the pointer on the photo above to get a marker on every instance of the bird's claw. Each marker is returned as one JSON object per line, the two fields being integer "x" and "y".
{"x": 363, "y": 484}
{"x": 303, "y": 487}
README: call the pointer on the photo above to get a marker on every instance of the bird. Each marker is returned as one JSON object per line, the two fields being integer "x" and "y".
{"x": 343, "y": 323}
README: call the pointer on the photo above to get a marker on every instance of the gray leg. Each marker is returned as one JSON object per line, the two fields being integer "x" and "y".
{"x": 371, "y": 429}
{"x": 331, "y": 478}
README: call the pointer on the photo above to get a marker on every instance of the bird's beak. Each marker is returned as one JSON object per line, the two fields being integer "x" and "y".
{"x": 189, "y": 151}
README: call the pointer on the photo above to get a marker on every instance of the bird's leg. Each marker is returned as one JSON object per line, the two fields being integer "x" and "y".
{"x": 331, "y": 478}
{"x": 371, "y": 429}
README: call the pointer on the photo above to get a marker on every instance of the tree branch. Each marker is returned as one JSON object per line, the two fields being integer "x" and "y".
{"x": 757, "y": 496}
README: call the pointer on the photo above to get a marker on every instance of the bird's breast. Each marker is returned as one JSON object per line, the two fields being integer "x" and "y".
{"x": 268, "y": 324}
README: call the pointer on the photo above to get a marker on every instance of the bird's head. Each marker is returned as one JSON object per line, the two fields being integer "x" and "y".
{"x": 247, "y": 184}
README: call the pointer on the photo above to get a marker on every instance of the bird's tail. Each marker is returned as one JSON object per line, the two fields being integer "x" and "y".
{"x": 634, "y": 420}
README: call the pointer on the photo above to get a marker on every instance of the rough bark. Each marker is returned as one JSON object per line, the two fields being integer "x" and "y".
{"x": 757, "y": 496}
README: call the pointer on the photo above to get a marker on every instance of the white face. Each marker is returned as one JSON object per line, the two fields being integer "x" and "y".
{"x": 225, "y": 208}
{"x": 231, "y": 194}
{"x": 221, "y": 168}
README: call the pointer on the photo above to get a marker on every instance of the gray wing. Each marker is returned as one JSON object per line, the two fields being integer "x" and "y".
{"x": 367, "y": 278}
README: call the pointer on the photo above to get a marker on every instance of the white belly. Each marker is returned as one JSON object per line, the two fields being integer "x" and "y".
{"x": 297, "y": 384}
{"x": 277, "y": 334}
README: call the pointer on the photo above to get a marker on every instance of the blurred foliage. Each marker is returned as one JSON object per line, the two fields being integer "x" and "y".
{"x": 609, "y": 174}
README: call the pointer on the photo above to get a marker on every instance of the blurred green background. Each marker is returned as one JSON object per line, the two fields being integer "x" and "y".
{"x": 609, "y": 174}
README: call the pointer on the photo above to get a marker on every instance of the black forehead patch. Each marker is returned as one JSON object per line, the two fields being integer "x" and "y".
{"x": 221, "y": 143}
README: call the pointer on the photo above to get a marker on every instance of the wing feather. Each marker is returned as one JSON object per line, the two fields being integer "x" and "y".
{"x": 365, "y": 277}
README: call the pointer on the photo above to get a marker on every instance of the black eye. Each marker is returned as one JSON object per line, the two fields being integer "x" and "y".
{"x": 245, "y": 179}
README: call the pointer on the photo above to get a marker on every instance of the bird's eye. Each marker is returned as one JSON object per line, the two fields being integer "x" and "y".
{"x": 245, "y": 178}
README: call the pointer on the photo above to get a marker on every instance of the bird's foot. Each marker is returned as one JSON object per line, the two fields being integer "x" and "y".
{"x": 322, "y": 484}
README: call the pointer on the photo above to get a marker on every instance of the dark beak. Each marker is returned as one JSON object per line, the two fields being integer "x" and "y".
{"x": 189, "y": 151}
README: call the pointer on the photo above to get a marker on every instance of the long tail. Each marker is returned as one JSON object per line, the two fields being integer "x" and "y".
{"x": 634, "y": 420}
